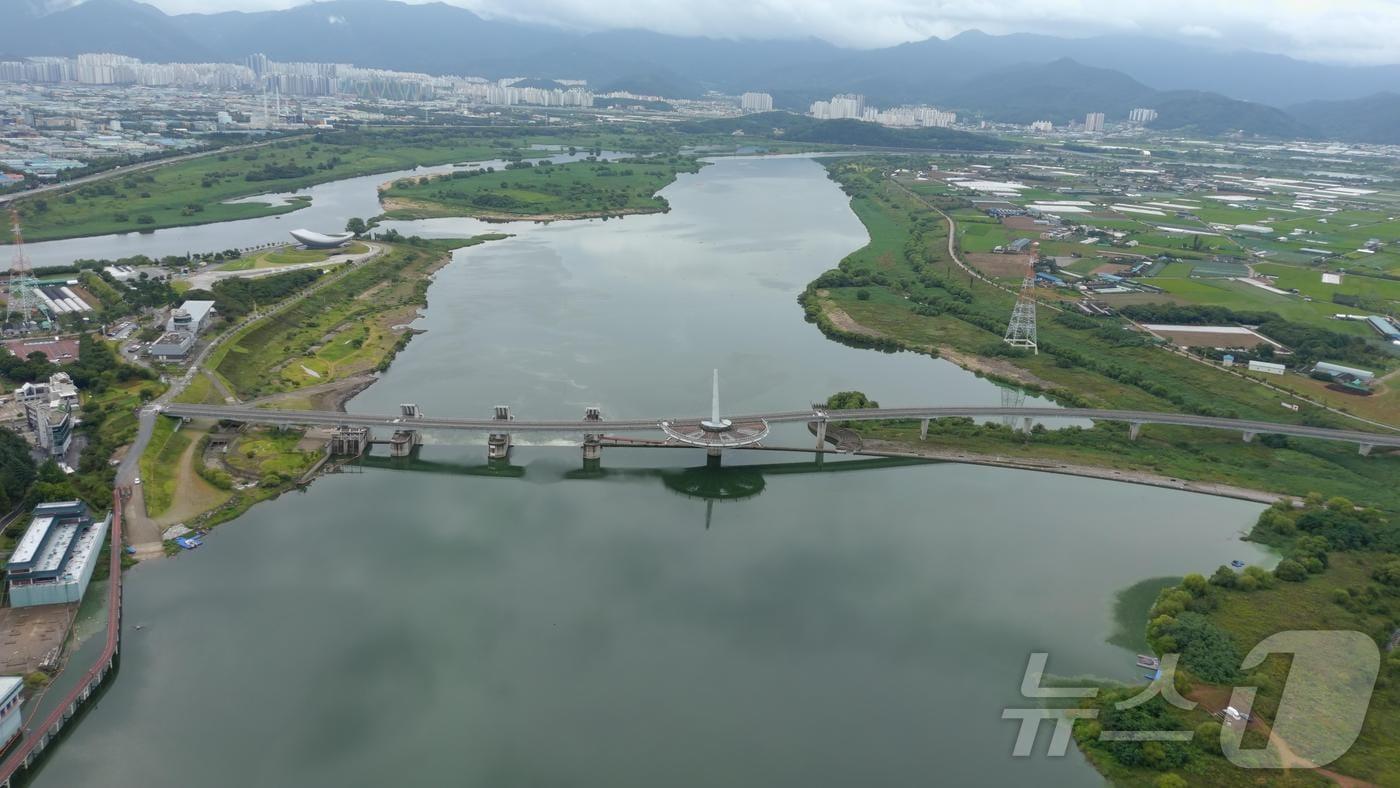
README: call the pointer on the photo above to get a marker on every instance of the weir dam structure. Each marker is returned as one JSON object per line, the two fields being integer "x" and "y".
{"x": 717, "y": 433}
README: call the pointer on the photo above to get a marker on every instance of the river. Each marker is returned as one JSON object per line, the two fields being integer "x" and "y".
{"x": 779, "y": 625}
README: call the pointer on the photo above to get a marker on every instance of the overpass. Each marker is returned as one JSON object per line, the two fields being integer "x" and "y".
{"x": 411, "y": 420}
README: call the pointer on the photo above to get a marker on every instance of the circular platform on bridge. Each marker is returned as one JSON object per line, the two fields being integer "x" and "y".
{"x": 723, "y": 434}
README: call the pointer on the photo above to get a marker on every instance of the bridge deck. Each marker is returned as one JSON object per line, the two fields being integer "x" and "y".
{"x": 306, "y": 418}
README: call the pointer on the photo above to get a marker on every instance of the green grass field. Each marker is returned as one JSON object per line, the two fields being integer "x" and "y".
{"x": 159, "y": 465}
{"x": 288, "y": 255}
{"x": 264, "y": 452}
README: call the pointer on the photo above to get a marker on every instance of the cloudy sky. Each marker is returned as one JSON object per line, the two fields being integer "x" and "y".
{"x": 1338, "y": 31}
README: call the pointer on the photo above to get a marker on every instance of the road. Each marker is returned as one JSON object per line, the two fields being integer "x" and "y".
{"x": 1249, "y": 428}
{"x": 143, "y": 533}
{"x": 127, "y": 169}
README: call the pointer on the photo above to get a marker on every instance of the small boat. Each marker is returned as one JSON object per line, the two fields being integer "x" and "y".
{"x": 1237, "y": 564}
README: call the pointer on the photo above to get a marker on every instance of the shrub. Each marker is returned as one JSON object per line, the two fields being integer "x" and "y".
{"x": 1290, "y": 570}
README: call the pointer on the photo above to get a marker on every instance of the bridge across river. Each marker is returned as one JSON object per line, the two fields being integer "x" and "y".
{"x": 503, "y": 424}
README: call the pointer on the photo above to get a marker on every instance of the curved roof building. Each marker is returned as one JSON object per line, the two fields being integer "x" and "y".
{"x": 314, "y": 240}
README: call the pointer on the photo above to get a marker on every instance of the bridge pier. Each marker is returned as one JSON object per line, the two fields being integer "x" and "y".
{"x": 403, "y": 442}
{"x": 592, "y": 441}
{"x": 1249, "y": 436}
{"x": 1026, "y": 425}
{"x": 712, "y": 457}
{"x": 1364, "y": 449}
{"x": 1134, "y": 430}
{"x": 820, "y": 428}
{"x": 498, "y": 443}
{"x": 923, "y": 429}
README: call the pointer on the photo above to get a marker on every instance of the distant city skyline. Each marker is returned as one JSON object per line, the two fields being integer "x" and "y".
{"x": 1359, "y": 32}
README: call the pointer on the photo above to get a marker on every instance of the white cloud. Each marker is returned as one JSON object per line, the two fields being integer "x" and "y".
{"x": 1355, "y": 31}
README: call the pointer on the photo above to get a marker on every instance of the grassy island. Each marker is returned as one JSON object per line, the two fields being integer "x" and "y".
{"x": 574, "y": 190}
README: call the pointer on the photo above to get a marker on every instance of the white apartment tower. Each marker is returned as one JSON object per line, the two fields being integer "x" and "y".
{"x": 1093, "y": 121}
{"x": 1142, "y": 115}
{"x": 756, "y": 102}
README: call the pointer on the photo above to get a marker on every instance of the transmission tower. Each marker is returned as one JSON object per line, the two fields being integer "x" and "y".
{"x": 24, "y": 299}
{"x": 1011, "y": 398}
{"x": 1021, "y": 331}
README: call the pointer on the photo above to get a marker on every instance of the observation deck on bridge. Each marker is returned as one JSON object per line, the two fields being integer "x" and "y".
{"x": 716, "y": 433}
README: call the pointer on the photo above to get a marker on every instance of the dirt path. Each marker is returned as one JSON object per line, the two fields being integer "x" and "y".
{"x": 141, "y": 531}
{"x": 192, "y": 494}
{"x": 1214, "y": 699}
{"x": 323, "y": 396}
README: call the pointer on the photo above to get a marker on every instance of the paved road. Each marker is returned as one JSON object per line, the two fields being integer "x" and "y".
{"x": 1247, "y": 427}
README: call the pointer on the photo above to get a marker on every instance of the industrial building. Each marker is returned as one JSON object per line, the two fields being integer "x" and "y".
{"x": 181, "y": 329}
{"x": 53, "y": 561}
{"x": 191, "y": 316}
{"x": 10, "y": 721}
{"x": 172, "y": 346}
{"x": 1384, "y": 327}
{"x": 1349, "y": 376}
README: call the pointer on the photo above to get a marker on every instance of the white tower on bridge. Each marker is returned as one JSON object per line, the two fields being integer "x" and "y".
{"x": 715, "y": 423}
{"x": 716, "y": 432}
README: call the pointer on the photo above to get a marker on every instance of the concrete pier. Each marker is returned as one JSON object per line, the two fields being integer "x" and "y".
{"x": 923, "y": 429}
{"x": 592, "y": 441}
{"x": 498, "y": 443}
{"x": 1134, "y": 429}
{"x": 403, "y": 442}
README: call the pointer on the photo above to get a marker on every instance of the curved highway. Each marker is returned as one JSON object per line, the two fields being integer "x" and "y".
{"x": 306, "y": 418}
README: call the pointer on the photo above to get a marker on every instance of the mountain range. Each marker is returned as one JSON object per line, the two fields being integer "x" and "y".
{"x": 1013, "y": 78}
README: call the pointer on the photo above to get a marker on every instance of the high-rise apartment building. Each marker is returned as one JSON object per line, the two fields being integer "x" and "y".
{"x": 756, "y": 102}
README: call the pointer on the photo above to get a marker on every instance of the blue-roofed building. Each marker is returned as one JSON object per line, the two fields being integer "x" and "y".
{"x": 1384, "y": 327}
{"x": 1049, "y": 279}
{"x": 53, "y": 562}
{"x": 1336, "y": 371}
